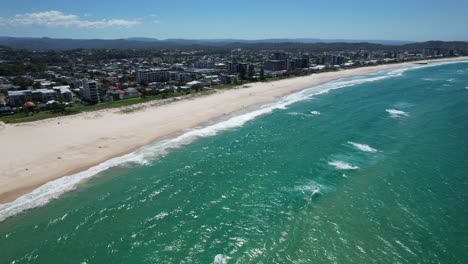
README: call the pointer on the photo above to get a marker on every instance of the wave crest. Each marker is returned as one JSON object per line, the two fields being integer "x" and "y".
{"x": 341, "y": 165}
{"x": 395, "y": 113}
{"x": 363, "y": 147}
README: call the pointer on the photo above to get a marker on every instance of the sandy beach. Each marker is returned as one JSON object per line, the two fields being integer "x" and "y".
{"x": 37, "y": 152}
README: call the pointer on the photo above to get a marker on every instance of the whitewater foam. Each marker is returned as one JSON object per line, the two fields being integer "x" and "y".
{"x": 341, "y": 165}
{"x": 395, "y": 113}
{"x": 220, "y": 259}
{"x": 298, "y": 114}
{"x": 363, "y": 147}
{"x": 312, "y": 113}
{"x": 312, "y": 189}
{"x": 56, "y": 188}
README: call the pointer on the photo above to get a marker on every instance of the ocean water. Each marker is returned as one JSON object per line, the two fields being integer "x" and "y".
{"x": 369, "y": 169}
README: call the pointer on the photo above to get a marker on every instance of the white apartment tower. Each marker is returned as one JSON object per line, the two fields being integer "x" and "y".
{"x": 90, "y": 91}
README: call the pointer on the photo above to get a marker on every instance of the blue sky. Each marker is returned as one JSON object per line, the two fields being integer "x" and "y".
{"x": 247, "y": 19}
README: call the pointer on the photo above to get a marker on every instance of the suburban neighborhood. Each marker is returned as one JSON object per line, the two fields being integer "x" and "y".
{"x": 34, "y": 81}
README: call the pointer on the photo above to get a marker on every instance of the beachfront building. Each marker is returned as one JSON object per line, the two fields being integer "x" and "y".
{"x": 195, "y": 85}
{"x": 302, "y": 63}
{"x": 152, "y": 75}
{"x": 186, "y": 77}
{"x": 89, "y": 91}
{"x": 337, "y": 60}
{"x": 234, "y": 67}
{"x": 119, "y": 94}
{"x": 44, "y": 95}
{"x": 129, "y": 93}
{"x": 18, "y": 98}
{"x": 65, "y": 95}
{"x": 320, "y": 60}
{"x": 111, "y": 95}
{"x": 275, "y": 65}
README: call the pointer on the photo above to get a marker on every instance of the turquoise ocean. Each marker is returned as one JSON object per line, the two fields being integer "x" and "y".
{"x": 368, "y": 169}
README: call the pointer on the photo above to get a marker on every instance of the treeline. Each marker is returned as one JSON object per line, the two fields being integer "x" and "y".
{"x": 63, "y": 57}
{"x": 39, "y": 44}
{"x": 16, "y": 69}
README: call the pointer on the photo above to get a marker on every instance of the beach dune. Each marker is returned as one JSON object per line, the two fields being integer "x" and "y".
{"x": 37, "y": 152}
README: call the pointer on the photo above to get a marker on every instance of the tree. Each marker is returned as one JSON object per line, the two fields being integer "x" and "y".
{"x": 262, "y": 74}
{"x": 22, "y": 82}
{"x": 37, "y": 85}
{"x": 251, "y": 71}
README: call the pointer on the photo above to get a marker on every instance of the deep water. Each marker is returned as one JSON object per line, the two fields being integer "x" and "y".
{"x": 375, "y": 172}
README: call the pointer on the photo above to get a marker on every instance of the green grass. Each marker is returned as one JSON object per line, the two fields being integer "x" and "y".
{"x": 120, "y": 103}
{"x": 29, "y": 117}
{"x": 226, "y": 86}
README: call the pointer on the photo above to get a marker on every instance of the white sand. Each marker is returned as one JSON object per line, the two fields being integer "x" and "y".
{"x": 37, "y": 152}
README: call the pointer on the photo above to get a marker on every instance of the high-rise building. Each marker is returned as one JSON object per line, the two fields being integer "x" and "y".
{"x": 337, "y": 60}
{"x": 90, "y": 91}
{"x": 279, "y": 55}
{"x": 152, "y": 75}
{"x": 302, "y": 63}
{"x": 233, "y": 67}
{"x": 204, "y": 65}
{"x": 275, "y": 65}
{"x": 320, "y": 60}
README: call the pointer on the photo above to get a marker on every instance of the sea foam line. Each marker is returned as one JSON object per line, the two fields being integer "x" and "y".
{"x": 363, "y": 147}
{"x": 54, "y": 189}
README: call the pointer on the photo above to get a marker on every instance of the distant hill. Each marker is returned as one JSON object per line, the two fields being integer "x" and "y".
{"x": 273, "y": 40}
{"x": 66, "y": 44}
{"x": 286, "y": 44}
{"x": 143, "y": 43}
{"x": 444, "y": 45}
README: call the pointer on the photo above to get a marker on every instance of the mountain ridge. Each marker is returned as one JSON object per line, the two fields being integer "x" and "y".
{"x": 45, "y": 43}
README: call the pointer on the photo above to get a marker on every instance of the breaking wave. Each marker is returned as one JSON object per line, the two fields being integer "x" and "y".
{"x": 341, "y": 165}
{"x": 363, "y": 147}
{"x": 54, "y": 189}
{"x": 298, "y": 114}
{"x": 312, "y": 113}
{"x": 394, "y": 113}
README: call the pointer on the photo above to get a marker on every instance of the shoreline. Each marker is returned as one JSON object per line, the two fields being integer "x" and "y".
{"x": 42, "y": 151}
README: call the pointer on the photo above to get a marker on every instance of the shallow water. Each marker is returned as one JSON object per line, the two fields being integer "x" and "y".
{"x": 375, "y": 172}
